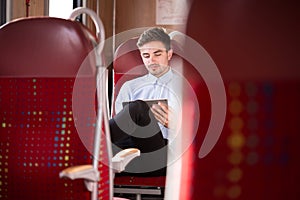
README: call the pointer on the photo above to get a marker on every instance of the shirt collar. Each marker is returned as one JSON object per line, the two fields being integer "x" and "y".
{"x": 163, "y": 79}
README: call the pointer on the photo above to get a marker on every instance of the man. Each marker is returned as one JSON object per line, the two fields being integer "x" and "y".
{"x": 138, "y": 124}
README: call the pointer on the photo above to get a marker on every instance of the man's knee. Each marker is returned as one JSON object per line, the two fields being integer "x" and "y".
{"x": 139, "y": 110}
{"x": 138, "y": 106}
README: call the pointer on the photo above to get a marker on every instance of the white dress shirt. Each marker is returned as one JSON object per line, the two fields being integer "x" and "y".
{"x": 150, "y": 87}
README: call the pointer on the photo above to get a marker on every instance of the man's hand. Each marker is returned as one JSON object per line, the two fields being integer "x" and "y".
{"x": 162, "y": 113}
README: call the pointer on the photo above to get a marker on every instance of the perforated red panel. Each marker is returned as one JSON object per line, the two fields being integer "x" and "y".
{"x": 47, "y": 107}
{"x": 255, "y": 46}
{"x": 38, "y": 139}
{"x": 255, "y": 157}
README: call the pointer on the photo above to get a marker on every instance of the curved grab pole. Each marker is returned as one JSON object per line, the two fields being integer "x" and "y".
{"x": 100, "y": 33}
{"x": 174, "y": 34}
{"x": 101, "y": 87}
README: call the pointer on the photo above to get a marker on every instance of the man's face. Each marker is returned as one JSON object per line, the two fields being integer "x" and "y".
{"x": 156, "y": 58}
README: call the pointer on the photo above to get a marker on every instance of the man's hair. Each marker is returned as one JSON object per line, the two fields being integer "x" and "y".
{"x": 155, "y": 34}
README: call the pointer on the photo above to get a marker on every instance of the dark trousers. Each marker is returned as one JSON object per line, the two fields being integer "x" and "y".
{"x": 135, "y": 126}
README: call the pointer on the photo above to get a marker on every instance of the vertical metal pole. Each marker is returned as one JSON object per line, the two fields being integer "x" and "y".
{"x": 9, "y": 10}
{"x": 46, "y": 7}
{"x": 27, "y": 3}
{"x": 2, "y": 12}
{"x": 94, "y": 194}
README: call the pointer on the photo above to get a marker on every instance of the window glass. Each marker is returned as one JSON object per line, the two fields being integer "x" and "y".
{"x": 59, "y": 8}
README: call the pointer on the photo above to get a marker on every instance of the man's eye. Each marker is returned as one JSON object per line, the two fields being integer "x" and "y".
{"x": 157, "y": 54}
{"x": 146, "y": 56}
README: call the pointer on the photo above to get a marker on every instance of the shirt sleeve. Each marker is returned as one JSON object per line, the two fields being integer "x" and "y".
{"x": 124, "y": 95}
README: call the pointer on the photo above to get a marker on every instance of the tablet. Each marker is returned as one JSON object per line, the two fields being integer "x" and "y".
{"x": 150, "y": 102}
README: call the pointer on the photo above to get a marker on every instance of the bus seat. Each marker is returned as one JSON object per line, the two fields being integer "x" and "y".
{"x": 39, "y": 61}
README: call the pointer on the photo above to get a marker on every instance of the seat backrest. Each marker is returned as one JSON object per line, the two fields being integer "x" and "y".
{"x": 128, "y": 65}
{"x": 260, "y": 78}
{"x": 41, "y": 60}
{"x": 195, "y": 97}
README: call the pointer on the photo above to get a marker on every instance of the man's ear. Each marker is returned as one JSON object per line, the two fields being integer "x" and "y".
{"x": 170, "y": 54}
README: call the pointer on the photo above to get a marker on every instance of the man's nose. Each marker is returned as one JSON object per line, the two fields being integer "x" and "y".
{"x": 151, "y": 59}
